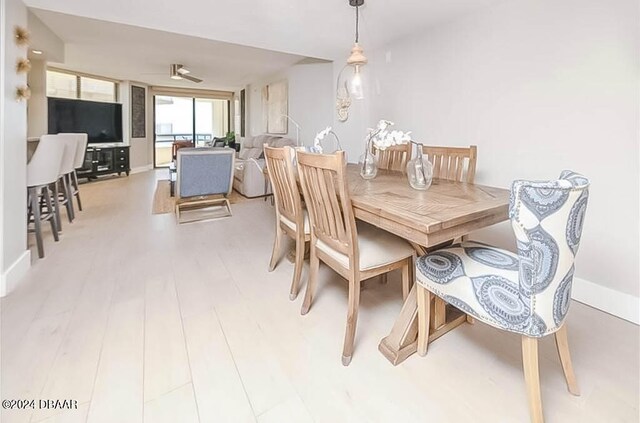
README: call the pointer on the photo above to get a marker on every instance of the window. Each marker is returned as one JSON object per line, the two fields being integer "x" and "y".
{"x": 69, "y": 85}
{"x": 61, "y": 85}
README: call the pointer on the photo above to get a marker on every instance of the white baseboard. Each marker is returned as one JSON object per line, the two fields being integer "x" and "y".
{"x": 10, "y": 279}
{"x": 619, "y": 304}
{"x": 141, "y": 169}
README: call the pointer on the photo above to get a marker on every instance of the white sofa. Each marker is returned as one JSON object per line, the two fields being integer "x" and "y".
{"x": 248, "y": 176}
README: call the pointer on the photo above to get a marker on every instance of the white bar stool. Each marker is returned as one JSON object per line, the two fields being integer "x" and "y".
{"x": 65, "y": 198}
{"x": 42, "y": 171}
{"x": 78, "y": 162}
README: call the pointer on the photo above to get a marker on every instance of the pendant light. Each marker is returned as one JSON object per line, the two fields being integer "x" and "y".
{"x": 350, "y": 82}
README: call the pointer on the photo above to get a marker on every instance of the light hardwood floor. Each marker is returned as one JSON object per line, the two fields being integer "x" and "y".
{"x": 142, "y": 320}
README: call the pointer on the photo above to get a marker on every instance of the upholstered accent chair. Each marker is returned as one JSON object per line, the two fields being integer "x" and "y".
{"x": 204, "y": 180}
{"x": 249, "y": 177}
{"x": 527, "y": 293}
{"x": 291, "y": 217}
{"x": 355, "y": 252}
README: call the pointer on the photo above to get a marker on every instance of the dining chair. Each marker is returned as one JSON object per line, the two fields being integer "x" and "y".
{"x": 394, "y": 157}
{"x": 453, "y": 163}
{"x": 291, "y": 217}
{"x": 527, "y": 293}
{"x": 43, "y": 170}
{"x": 355, "y": 252}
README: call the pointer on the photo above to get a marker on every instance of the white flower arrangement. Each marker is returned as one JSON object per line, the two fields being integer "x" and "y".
{"x": 317, "y": 141}
{"x": 382, "y": 138}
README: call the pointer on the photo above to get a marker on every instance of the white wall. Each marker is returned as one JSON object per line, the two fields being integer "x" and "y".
{"x": 540, "y": 86}
{"x": 311, "y": 100}
{"x": 14, "y": 257}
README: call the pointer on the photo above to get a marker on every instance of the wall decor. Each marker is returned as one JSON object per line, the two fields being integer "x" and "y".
{"x": 23, "y": 93}
{"x": 23, "y": 65}
{"x": 277, "y": 107}
{"x": 22, "y": 36}
{"x": 138, "y": 112}
{"x": 242, "y": 111}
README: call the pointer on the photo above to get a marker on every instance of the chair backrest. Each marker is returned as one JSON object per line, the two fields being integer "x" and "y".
{"x": 81, "y": 148}
{"x": 68, "y": 158}
{"x": 285, "y": 187}
{"x": 177, "y": 145}
{"x": 453, "y": 163}
{"x": 44, "y": 166}
{"x": 324, "y": 184}
{"x": 547, "y": 219}
{"x": 394, "y": 157}
{"x": 204, "y": 171}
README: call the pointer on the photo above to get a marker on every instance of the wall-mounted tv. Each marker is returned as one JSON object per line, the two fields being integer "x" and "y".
{"x": 101, "y": 121}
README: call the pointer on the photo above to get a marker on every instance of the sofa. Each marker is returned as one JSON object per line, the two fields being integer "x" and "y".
{"x": 248, "y": 175}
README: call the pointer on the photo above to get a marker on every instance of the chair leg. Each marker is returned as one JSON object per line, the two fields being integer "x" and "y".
{"x": 383, "y": 278}
{"x": 76, "y": 188}
{"x": 52, "y": 218}
{"x": 297, "y": 270}
{"x": 562, "y": 343}
{"x": 352, "y": 319}
{"x": 67, "y": 180}
{"x": 56, "y": 205}
{"x": 532, "y": 377}
{"x": 65, "y": 193}
{"x": 35, "y": 207}
{"x": 314, "y": 264}
{"x": 470, "y": 319}
{"x": 275, "y": 254}
{"x": 424, "y": 317}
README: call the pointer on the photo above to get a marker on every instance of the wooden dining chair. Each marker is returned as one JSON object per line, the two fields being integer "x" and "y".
{"x": 453, "y": 163}
{"x": 394, "y": 157}
{"x": 291, "y": 218}
{"x": 527, "y": 293}
{"x": 355, "y": 253}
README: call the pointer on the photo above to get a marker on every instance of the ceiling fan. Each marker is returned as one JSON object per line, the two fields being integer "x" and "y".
{"x": 180, "y": 72}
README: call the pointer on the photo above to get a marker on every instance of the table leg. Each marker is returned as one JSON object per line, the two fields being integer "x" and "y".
{"x": 402, "y": 341}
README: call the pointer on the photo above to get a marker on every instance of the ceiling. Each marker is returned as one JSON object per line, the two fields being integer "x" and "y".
{"x": 314, "y": 28}
{"x": 132, "y": 53}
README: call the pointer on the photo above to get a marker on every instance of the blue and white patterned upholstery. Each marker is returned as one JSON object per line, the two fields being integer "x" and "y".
{"x": 528, "y": 293}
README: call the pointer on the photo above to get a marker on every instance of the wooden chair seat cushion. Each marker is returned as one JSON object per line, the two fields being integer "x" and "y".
{"x": 377, "y": 248}
{"x": 292, "y": 225}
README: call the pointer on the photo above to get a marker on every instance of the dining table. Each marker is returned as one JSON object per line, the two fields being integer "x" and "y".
{"x": 429, "y": 219}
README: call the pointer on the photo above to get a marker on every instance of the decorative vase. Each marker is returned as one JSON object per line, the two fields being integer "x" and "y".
{"x": 368, "y": 165}
{"x": 420, "y": 172}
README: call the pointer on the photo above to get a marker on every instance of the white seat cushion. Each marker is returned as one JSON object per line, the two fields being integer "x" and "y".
{"x": 482, "y": 281}
{"x": 292, "y": 225}
{"x": 377, "y": 248}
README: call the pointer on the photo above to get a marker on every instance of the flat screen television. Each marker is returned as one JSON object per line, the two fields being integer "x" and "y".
{"x": 101, "y": 121}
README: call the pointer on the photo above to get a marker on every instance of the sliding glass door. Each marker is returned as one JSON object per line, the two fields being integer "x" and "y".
{"x": 187, "y": 122}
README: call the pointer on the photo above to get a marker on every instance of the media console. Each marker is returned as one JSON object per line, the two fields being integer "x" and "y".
{"x": 105, "y": 160}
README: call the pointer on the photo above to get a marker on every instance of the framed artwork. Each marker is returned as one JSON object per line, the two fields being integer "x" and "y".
{"x": 138, "y": 112}
{"x": 275, "y": 107}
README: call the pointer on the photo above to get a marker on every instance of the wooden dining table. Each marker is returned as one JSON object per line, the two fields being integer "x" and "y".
{"x": 427, "y": 219}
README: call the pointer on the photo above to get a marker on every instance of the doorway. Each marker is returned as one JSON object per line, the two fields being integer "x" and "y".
{"x": 187, "y": 121}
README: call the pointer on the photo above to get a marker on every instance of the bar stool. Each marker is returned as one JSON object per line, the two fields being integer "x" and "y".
{"x": 42, "y": 171}
{"x": 65, "y": 198}
{"x": 78, "y": 162}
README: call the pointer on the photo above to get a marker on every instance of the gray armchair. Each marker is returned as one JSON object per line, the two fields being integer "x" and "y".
{"x": 204, "y": 180}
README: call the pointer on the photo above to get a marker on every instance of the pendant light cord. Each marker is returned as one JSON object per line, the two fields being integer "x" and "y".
{"x": 357, "y": 22}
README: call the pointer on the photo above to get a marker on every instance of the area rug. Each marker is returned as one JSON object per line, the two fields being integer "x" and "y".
{"x": 164, "y": 203}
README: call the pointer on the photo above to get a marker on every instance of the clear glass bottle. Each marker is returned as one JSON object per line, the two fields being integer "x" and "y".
{"x": 368, "y": 165}
{"x": 419, "y": 170}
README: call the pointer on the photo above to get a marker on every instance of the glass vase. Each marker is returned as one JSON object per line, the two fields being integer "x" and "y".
{"x": 368, "y": 165}
{"x": 420, "y": 172}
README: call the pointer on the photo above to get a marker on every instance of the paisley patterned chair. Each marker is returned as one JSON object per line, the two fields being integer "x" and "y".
{"x": 528, "y": 293}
